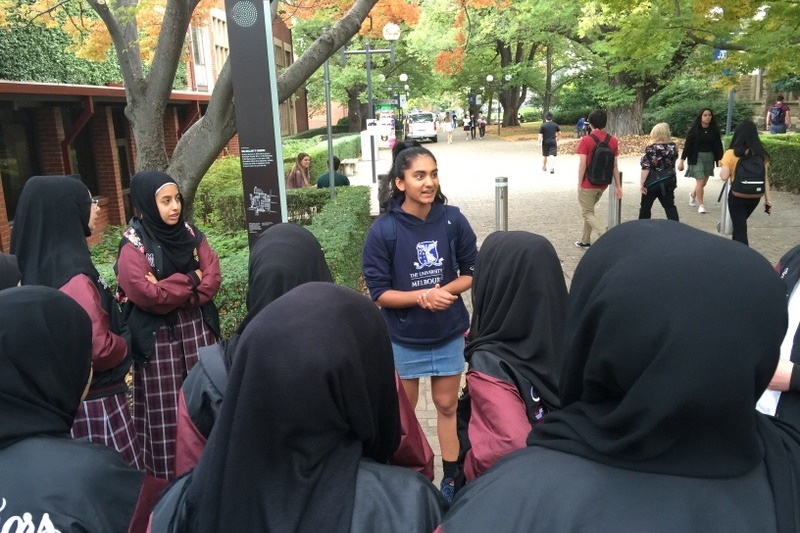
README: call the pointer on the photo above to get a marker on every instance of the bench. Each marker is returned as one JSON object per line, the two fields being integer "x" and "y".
{"x": 348, "y": 166}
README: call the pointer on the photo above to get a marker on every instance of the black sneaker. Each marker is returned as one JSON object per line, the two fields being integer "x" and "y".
{"x": 583, "y": 245}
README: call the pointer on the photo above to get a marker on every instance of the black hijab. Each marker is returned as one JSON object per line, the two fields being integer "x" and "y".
{"x": 177, "y": 244}
{"x": 283, "y": 257}
{"x": 519, "y": 300}
{"x": 45, "y": 356}
{"x": 50, "y": 230}
{"x": 673, "y": 336}
{"x": 311, "y": 392}
{"x": 9, "y": 271}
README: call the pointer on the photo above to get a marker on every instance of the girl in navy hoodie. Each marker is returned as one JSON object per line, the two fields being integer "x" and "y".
{"x": 418, "y": 259}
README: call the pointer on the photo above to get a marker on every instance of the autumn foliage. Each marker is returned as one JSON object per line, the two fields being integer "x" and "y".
{"x": 385, "y": 11}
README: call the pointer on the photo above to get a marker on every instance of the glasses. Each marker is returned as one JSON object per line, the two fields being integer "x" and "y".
{"x": 95, "y": 201}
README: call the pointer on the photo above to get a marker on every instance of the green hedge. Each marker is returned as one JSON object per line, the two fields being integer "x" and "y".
{"x": 345, "y": 147}
{"x": 220, "y": 200}
{"x": 784, "y": 161}
{"x": 308, "y": 134}
{"x": 341, "y": 229}
{"x": 680, "y": 116}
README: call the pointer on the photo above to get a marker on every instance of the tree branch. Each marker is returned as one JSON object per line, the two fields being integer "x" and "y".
{"x": 126, "y": 43}
{"x": 168, "y": 52}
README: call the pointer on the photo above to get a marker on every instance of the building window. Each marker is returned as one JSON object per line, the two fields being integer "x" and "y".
{"x": 18, "y": 161}
{"x": 199, "y": 40}
{"x": 219, "y": 33}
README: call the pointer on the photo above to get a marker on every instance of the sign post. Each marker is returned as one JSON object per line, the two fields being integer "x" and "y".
{"x": 256, "y": 94}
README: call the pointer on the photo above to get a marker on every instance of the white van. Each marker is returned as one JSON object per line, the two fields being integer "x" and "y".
{"x": 422, "y": 126}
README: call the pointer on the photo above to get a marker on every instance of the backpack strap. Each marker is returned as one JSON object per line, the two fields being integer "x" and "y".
{"x": 212, "y": 358}
{"x": 388, "y": 233}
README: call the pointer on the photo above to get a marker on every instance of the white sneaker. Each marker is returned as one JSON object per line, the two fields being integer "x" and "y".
{"x": 701, "y": 209}
{"x": 692, "y": 201}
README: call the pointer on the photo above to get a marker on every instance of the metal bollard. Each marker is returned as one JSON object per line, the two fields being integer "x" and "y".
{"x": 501, "y": 204}
{"x": 614, "y": 205}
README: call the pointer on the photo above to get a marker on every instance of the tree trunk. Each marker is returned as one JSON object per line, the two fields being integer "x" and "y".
{"x": 356, "y": 111}
{"x": 147, "y": 96}
{"x": 548, "y": 82}
{"x": 511, "y": 101}
{"x": 627, "y": 120}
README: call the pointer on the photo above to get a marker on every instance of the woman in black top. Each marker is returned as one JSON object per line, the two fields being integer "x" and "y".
{"x": 703, "y": 149}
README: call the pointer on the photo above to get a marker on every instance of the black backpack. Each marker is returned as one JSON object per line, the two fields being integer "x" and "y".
{"x": 776, "y": 115}
{"x": 601, "y": 166}
{"x": 749, "y": 176}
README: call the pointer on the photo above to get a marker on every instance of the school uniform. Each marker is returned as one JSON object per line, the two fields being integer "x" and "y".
{"x": 50, "y": 482}
{"x": 49, "y": 240}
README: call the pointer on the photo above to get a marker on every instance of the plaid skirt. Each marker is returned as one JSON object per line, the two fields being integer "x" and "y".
{"x": 108, "y": 421}
{"x": 156, "y": 386}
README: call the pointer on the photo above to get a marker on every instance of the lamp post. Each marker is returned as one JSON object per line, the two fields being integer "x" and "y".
{"x": 489, "y": 80}
{"x": 391, "y": 32}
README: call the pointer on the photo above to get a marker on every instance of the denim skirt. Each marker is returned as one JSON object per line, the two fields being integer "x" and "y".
{"x": 445, "y": 359}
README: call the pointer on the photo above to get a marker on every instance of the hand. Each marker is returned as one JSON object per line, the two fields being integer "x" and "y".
{"x": 768, "y": 208}
{"x": 644, "y": 190}
{"x": 151, "y": 278}
{"x": 199, "y": 274}
{"x": 618, "y": 193}
{"x": 436, "y": 299}
{"x": 680, "y": 165}
{"x": 783, "y": 375}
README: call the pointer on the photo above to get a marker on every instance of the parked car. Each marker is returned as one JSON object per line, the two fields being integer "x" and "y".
{"x": 422, "y": 126}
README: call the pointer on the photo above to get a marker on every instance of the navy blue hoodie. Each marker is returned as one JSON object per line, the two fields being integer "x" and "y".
{"x": 422, "y": 258}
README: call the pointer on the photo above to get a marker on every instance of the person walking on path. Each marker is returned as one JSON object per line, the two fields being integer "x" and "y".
{"x": 703, "y": 149}
{"x": 169, "y": 275}
{"x": 418, "y": 258}
{"x": 745, "y": 146}
{"x": 778, "y": 118}
{"x": 53, "y": 219}
{"x": 588, "y": 193}
{"x": 449, "y": 126}
{"x": 467, "y": 126}
{"x": 658, "y": 179}
{"x": 549, "y": 135}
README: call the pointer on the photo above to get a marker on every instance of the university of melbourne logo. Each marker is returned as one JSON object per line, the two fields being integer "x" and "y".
{"x": 428, "y": 255}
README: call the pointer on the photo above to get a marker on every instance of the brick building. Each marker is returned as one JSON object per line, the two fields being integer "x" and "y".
{"x": 56, "y": 129}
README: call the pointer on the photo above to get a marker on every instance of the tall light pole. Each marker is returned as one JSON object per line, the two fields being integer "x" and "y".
{"x": 489, "y": 80}
{"x": 391, "y": 32}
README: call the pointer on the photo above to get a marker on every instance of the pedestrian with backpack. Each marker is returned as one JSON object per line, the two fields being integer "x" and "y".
{"x": 658, "y": 179}
{"x": 703, "y": 149}
{"x": 418, "y": 258}
{"x": 778, "y": 118}
{"x": 598, "y": 153}
{"x": 745, "y": 163}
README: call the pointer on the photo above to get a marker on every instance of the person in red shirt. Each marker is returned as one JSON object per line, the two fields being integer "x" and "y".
{"x": 588, "y": 194}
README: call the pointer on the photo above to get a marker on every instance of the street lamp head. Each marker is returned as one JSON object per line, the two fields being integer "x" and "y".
{"x": 403, "y": 77}
{"x": 489, "y": 78}
{"x": 391, "y": 32}
{"x": 406, "y": 87}
{"x": 508, "y": 77}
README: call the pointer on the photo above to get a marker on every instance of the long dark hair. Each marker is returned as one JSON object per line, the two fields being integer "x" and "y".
{"x": 403, "y": 154}
{"x": 746, "y": 140}
{"x": 697, "y": 125}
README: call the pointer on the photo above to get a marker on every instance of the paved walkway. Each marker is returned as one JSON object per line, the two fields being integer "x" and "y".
{"x": 547, "y": 204}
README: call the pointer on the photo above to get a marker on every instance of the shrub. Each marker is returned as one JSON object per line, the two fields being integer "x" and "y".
{"x": 784, "y": 161}
{"x": 308, "y": 134}
{"x": 680, "y": 115}
{"x": 341, "y": 228}
{"x": 530, "y": 114}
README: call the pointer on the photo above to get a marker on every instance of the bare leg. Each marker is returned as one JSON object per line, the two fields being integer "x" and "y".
{"x": 411, "y": 386}
{"x": 699, "y": 186}
{"x": 444, "y": 390}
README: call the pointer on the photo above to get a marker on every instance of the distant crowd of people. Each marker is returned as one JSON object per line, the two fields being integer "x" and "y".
{"x": 303, "y": 420}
